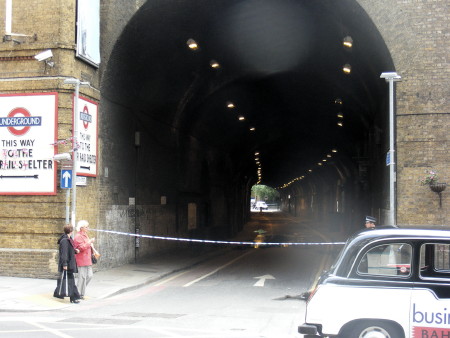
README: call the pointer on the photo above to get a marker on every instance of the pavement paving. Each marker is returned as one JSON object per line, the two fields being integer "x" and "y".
{"x": 34, "y": 294}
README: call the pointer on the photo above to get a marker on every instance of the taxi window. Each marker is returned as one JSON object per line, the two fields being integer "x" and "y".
{"x": 435, "y": 260}
{"x": 393, "y": 259}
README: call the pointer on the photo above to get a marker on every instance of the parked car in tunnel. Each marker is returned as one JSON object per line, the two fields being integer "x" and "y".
{"x": 261, "y": 205}
{"x": 387, "y": 283}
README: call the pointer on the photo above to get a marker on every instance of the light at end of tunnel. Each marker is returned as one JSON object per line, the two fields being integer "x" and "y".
{"x": 230, "y": 105}
{"x": 347, "y": 69}
{"x": 214, "y": 64}
{"x": 241, "y": 118}
{"x": 340, "y": 124}
{"x": 348, "y": 42}
{"x": 192, "y": 44}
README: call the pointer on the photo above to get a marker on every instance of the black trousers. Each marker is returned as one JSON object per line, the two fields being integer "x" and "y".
{"x": 65, "y": 286}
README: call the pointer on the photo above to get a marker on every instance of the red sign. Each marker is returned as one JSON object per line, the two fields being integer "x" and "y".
{"x": 430, "y": 332}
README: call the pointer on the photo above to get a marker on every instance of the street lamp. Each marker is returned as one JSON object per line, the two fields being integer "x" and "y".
{"x": 77, "y": 83}
{"x": 391, "y": 77}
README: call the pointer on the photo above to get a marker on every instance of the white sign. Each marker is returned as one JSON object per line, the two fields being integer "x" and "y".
{"x": 28, "y": 131}
{"x": 88, "y": 31}
{"x": 87, "y": 118}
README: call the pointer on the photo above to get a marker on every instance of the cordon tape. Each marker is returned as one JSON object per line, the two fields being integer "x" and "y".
{"x": 215, "y": 242}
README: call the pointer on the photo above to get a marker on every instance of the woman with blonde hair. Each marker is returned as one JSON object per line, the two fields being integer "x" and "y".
{"x": 84, "y": 257}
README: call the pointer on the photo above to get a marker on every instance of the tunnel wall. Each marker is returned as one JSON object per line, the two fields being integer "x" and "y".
{"x": 415, "y": 34}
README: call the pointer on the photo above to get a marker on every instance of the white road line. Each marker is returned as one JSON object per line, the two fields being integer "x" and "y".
{"x": 47, "y": 329}
{"x": 170, "y": 278}
{"x": 218, "y": 269}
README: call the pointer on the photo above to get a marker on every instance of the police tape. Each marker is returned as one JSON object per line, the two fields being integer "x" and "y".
{"x": 217, "y": 242}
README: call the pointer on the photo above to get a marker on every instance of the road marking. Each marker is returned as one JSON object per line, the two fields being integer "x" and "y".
{"x": 47, "y": 329}
{"x": 218, "y": 269}
{"x": 170, "y": 278}
{"x": 262, "y": 280}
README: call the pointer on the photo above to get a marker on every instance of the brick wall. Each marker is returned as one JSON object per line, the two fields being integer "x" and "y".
{"x": 416, "y": 34}
{"x": 31, "y": 225}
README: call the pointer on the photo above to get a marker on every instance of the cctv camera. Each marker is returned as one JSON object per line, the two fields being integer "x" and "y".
{"x": 62, "y": 157}
{"x": 44, "y": 55}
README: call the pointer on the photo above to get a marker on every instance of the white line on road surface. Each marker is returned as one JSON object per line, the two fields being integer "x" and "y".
{"x": 262, "y": 280}
{"x": 171, "y": 278}
{"x": 218, "y": 269}
{"x": 47, "y": 329}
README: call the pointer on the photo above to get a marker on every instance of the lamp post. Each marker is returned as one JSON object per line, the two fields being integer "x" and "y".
{"x": 391, "y": 77}
{"x": 77, "y": 83}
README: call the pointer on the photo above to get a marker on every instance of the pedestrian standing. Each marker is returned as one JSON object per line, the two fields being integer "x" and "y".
{"x": 67, "y": 266}
{"x": 370, "y": 222}
{"x": 84, "y": 258}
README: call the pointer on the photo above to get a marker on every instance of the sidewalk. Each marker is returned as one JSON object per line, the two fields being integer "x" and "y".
{"x": 31, "y": 294}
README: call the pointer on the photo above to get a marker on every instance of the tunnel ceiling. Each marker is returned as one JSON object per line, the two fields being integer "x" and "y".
{"x": 280, "y": 65}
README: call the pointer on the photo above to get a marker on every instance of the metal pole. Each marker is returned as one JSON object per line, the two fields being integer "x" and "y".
{"x": 67, "y": 205}
{"x": 74, "y": 155}
{"x": 391, "y": 154}
{"x": 76, "y": 118}
{"x": 391, "y": 77}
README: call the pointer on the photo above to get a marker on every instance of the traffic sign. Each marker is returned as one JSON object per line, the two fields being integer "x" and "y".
{"x": 66, "y": 179}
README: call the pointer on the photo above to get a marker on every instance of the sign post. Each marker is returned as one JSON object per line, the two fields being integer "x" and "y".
{"x": 76, "y": 118}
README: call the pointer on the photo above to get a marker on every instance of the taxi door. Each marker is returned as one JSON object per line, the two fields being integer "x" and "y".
{"x": 430, "y": 299}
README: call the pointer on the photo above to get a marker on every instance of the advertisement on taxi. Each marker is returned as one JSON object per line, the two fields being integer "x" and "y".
{"x": 430, "y": 318}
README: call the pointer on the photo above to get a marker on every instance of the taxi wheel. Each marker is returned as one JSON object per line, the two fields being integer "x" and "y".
{"x": 373, "y": 329}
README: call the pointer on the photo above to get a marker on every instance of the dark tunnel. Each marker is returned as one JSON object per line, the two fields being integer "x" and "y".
{"x": 263, "y": 98}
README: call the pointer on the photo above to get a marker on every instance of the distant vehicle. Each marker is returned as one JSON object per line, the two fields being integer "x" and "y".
{"x": 261, "y": 204}
{"x": 386, "y": 283}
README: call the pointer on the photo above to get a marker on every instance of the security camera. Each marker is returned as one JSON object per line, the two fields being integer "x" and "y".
{"x": 62, "y": 157}
{"x": 45, "y": 55}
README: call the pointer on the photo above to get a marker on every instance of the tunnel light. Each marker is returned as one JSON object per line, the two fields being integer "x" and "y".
{"x": 324, "y": 160}
{"x": 319, "y": 163}
{"x": 338, "y": 101}
{"x": 252, "y": 128}
{"x": 340, "y": 124}
{"x": 230, "y": 105}
{"x": 214, "y": 64}
{"x": 328, "y": 155}
{"x": 334, "y": 150}
{"x": 241, "y": 118}
{"x": 348, "y": 42}
{"x": 340, "y": 115}
{"x": 347, "y": 69}
{"x": 192, "y": 44}
{"x": 256, "y": 153}
{"x": 310, "y": 170}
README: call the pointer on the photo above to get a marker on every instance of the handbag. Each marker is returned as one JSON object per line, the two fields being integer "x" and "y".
{"x": 95, "y": 255}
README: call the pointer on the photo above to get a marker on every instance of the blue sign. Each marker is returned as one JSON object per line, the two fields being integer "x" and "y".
{"x": 66, "y": 179}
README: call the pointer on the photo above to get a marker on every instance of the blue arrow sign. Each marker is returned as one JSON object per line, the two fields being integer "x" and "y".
{"x": 66, "y": 179}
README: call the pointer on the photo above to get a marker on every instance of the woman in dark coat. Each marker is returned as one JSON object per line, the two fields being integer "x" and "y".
{"x": 67, "y": 266}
